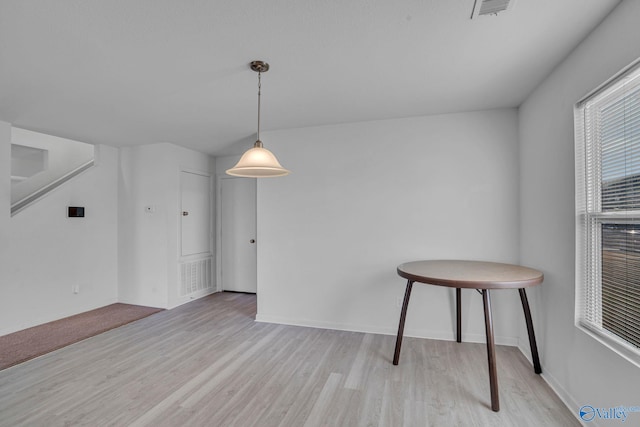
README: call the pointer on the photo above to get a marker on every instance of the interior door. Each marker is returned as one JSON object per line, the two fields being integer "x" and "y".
{"x": 238, "y": 235}
{"x": 196, "y": 214}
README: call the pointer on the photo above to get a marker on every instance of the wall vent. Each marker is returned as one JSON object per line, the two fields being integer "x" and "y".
{"x": 490, "y": 7}
{"x": 195, "y": 276}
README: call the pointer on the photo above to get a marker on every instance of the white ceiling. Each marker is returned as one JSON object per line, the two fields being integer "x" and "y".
{"x": 128, "y": 72}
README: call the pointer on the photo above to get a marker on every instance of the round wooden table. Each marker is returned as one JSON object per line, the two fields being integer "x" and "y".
{"x": 481, "y": 276}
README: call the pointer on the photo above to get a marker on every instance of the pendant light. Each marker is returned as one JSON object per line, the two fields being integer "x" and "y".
{"x": 258, "y": 162}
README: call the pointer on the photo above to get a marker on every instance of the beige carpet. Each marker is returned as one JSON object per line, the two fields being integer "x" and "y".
{"x": 24, "y": 345}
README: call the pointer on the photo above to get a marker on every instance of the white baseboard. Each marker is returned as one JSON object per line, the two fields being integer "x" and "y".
{"x": 196, "y": 295}
{"x": 554, "y": 384}
{"x": 408, "y": 332}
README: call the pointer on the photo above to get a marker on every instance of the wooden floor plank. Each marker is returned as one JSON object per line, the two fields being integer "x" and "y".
{"x": 209, "y": 363}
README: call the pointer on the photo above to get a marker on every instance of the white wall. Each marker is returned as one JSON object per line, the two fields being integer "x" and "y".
{"x": 43, "y": 254}
{"x": 365, "y": 197}
{"x": 582, "y": 370}
{"x": 149, "y": 242}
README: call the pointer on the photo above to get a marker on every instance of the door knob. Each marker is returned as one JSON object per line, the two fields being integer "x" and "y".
{"x": 252, "y": 241}
{"x": 185, "y": 213}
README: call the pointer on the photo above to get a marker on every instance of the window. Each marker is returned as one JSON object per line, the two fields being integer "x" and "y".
{"x": 607, "y": 131}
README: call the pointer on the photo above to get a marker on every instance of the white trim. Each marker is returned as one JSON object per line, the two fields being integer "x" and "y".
{"x": 220, "y": 177}
{"x": 370, "y": 329}
{"x": 195, "y": 296}
{"x": 556, "y": 387}
{"x": 47, "y": 189}
{"x": 617, "y": 345}
{"x": 589, "y": 216}
{"x": 218, "y": 225}
{"x": 565, "y": 397}
{"x": 609, "y": 82}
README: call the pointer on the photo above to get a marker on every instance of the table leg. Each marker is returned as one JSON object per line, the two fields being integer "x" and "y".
{"x": 532, "y": 336}
{"x": 458, "y": 315}
{"x": 491, "y": 351}
{"x": 403, "y": 315}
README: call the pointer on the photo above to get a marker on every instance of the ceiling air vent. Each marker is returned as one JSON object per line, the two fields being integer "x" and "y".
{"x": 490, "y": 7}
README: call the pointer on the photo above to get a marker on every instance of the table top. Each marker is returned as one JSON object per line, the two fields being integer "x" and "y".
{"x": 470, "y": 274}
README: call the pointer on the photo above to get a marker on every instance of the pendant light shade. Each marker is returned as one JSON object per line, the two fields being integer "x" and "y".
{"x": 258, "y": 162}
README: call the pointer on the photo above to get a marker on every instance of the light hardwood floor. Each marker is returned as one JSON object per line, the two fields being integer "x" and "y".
{"x": 208, "y": 363}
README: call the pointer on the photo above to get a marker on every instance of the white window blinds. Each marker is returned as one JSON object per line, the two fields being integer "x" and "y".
{"x": 607, "y": 125}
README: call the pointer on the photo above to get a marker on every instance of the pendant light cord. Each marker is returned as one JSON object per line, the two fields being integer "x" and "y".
{"x": 259, "y": 93}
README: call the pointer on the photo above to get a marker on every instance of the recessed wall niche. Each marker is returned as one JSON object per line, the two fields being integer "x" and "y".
{"x": 26, "y": 162}
{"x": 40, "y": 163}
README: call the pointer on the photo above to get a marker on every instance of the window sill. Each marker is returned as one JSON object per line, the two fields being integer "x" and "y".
{"x": 618, "y": 346}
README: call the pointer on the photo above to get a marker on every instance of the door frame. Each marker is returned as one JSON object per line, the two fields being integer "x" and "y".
{"x": 220, "y": 177}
